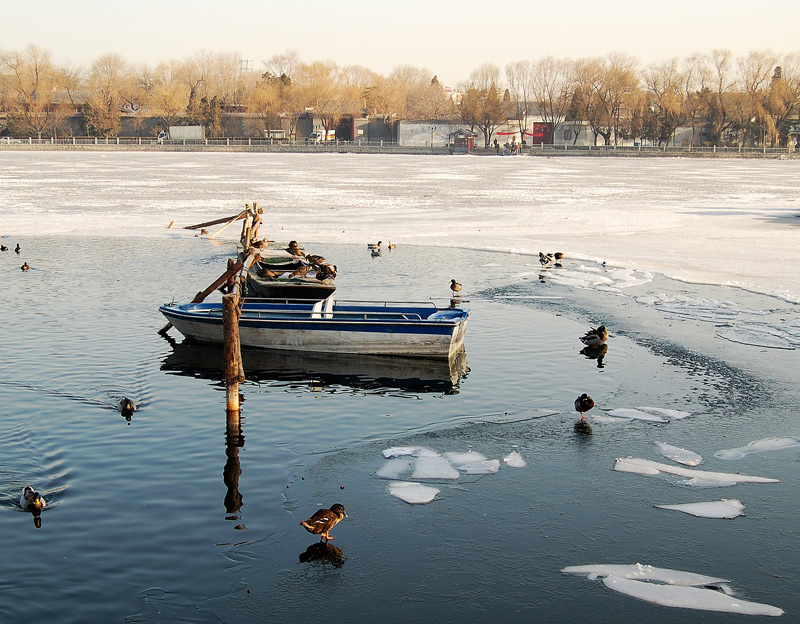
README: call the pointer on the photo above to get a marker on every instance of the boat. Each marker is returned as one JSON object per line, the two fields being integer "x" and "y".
{"x": 280, "y": 275}
{"x": 422, "y": 330}
{"x": 364, "y": 372}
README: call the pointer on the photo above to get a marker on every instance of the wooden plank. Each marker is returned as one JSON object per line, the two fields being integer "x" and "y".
{"x": 241, "y": 215}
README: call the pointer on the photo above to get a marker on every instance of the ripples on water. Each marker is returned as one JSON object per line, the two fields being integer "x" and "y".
{"x": 156, "y": 519}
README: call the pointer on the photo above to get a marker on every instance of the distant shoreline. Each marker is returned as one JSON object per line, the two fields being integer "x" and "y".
{"x": 548, "y": 151}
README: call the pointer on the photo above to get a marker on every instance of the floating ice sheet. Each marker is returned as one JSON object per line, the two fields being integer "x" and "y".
{"x": 459, "y": 460}
{"x": 688, "y": 597}
{"x": 413, "y": 493}
{"x": 647, "y": 467}
{"x": 707, "y": 483}
{"x": 725, "y": 508}
{"x": 679, "y": 455}
{"x": 755, "y": 337}
{"x": 643, "y": 572}
{"x": 672, "y": 414}
{"x": 672, "y": 588}
{"x": 436, "y": 468}
{"x": 394, "y": 468}
{"x": 488, "y": 466}
{"x": 514, "y": 460}
{"x": 635, "y": 414}
{"x": 759, "y": 446}
{"x": 399, "y": 451}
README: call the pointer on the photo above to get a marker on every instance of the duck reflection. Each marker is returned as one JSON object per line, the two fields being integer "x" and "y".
{"x": 325, "y": 553}
{"x": 596, "y": 353}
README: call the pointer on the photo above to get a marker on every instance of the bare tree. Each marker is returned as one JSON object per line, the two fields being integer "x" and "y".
{"x": 755, "y": 70}
{"x": 319, "y": 88}
{"x": 481, "y": 105}
{"x": 782, "y": 99}
{"x": 664, "y": 82}
{"x": 33, "y": 78}
{"x": 169, "y": 95}
{"x": 285, "y": 64}
{"x": 716, "y": 85}
{"x": 552, "y": 90}
{"x": 520, "y": 79}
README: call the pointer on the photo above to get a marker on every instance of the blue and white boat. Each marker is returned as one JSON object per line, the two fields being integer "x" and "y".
{"x": 327, "y": 326}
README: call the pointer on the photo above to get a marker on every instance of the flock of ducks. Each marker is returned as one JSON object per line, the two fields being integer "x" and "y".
{"x": 375, "y": 248}
{"x": 551, "y": 259}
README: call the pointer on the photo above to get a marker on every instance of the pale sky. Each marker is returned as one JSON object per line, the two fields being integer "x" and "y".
{"x": 450, "y": 38}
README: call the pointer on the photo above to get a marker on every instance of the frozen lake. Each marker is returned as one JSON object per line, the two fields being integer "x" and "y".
{"x": 165, "y": 518}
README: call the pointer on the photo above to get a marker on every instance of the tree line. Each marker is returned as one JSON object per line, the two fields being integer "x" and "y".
{"x": 747, "y": 100}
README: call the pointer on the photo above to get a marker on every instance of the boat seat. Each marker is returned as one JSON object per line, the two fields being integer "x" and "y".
{"x": 329, "y": 307}
{"x": 316, "y": 311}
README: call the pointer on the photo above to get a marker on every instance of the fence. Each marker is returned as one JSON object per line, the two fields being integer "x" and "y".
{"x": 279, "y": 145}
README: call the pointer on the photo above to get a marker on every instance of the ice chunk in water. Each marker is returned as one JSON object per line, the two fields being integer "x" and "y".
{"x": 680, "y": 455}
{"x": 688, "y": 597}
{"x": 399, "y": 451}
{"x": 394, "y": 468}
{"x": 460, "y": 460}
{"x": 756, "y": 337}
{"x": 434, "y": 468}
{"x": 759, "y": 446}
{"x": 707, "y": 483}
{"x": 635, "y": 414}
{"x": 672, "y": 414}
{"x": 647, "y": 467}
{"x": 413, "y": 493}
{"x": 724, "y": 508}
{"x": 514, "y": 460}
{"x": 487, "y": 466}
{"x": 644, "y": 573}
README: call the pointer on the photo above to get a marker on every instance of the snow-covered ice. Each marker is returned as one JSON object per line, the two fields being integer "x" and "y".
{"x": 724, "y": 508}
{"x": 651, "y": 468}
{"x": 413, "y": 493}
{"x": 759, "y": 446}
{"x": 679, "y": 455}
{"x": 514, "y": 460}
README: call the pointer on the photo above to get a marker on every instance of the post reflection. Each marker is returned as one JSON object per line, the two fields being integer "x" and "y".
{"x": 234, "y": 440}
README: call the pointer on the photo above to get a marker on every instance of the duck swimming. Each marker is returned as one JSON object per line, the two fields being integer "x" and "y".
{"x": 18, "y": 249}
{"x": 31, "y": 499}
{"x": 595, "y": 337}
{"x": 324, "y": 520}
{"x": 374, "y": 245}
{"x": 3, "y": 248}
{"x": 25, "y": 266}
{"x": 455, "y": 287}
{"x": 583, "y": 404}
{"x": 126, "y": 406}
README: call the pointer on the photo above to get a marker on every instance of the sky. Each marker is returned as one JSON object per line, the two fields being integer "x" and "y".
{"x": 450, "y": 38}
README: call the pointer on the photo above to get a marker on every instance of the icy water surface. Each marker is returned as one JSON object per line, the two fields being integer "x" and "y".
{"x": 165, "y": 518}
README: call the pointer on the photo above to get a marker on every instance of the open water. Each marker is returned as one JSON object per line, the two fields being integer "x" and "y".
{"x": 171, "y": 517}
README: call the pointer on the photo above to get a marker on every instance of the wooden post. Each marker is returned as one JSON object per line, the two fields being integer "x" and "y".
{"x": 232, "y": 350}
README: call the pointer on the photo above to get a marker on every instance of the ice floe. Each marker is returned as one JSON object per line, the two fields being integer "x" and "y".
{"x": 707, "y": 483}
{"x": 672, "y": 414}
{"x": 724, "y": 508}
{"x": 514, "y": 460}
{"x": 630, "y": 413}
{"x": 672, "y": 588}
{"x": 679, "y": 455}
{"x": 638, "y": 571}
{"x": 759, "y": 446}
{"x": 394, "y": 468}
{"x": 648, "y": 467}
{"x": 434, "y": 468}
{"x": 413, "y": 493}
{"x": 698, "y": 598}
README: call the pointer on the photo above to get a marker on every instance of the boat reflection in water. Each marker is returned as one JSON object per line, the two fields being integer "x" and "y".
{"x": 323, "y": 369}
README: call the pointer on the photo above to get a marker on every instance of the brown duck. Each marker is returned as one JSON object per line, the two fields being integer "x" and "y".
{"x": 583, "y": 404}
{"x": 324, "y": 520}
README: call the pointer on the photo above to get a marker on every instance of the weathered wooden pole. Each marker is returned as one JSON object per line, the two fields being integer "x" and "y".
{"x": 232, "y": 350}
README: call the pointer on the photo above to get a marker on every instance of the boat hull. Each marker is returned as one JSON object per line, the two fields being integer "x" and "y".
{"x": 376, "y": 329}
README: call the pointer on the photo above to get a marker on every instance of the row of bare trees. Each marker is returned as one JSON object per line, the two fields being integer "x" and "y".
{"x": 723, "y": 99}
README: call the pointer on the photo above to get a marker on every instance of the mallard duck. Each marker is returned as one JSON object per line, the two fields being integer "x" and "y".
{"x": 31, "y": 499}
{"x": 559, "y": 257}
{"x": 25, "y": 266}
{"x": 315, "y": 259}
{"x": 391, "y": 245}
{"x": 595, "y": 337}
{"x": 18, "y": 249}
{"x": 3, "y": 248}
{"x": 545, "y": 260}
{"x": 126, "y": 406}
{"x": 374, "y": 245}
{"x": 455, "y": 287}
{"x": 294, "y": 248}
{"x": 375, "y": 251}
{"x": 324, "y": 520}
{"x": 583, "y": 404}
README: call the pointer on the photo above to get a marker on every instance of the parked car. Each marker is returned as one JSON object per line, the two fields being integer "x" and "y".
{"x": 9, "y": 140}
{"x": 314, "y": 137}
